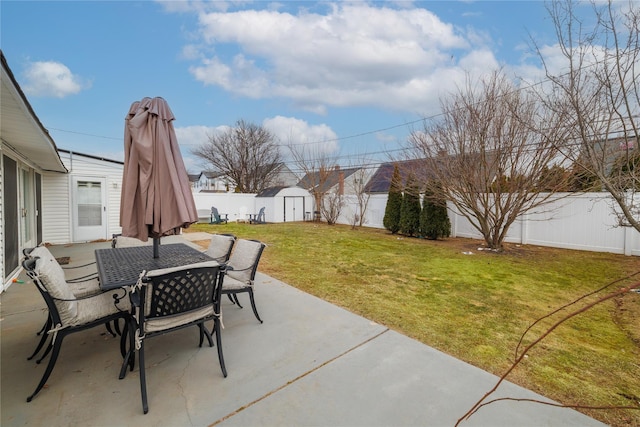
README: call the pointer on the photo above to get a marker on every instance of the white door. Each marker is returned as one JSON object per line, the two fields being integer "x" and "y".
{"x": 27, "y": 209}
{"x": 293, "y": 209}
{"x": 89, "y": 209}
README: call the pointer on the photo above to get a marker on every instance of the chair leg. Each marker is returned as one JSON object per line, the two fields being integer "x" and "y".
{"x": 143, "y": 379}
{"x": 45, "y": 327}
{"x": 52, "y": 361}
{"x": 43, "y": 337}
{"x": 231, "y": 298}
{"x": 216, "y": 328}
{"x": 253, "y": 305}
{"x": 46, "y": 352}
{"x": 108, "y": 326}
{"x": 236, "y": 300}
{"x": 129, "y": 356}
{"x": 205, "y": 332}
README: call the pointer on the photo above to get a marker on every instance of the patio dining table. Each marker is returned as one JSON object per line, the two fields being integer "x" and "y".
{"x": 120, "y": 267}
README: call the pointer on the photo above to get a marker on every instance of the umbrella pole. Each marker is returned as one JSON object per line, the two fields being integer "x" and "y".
{"x": 156, "y": 247}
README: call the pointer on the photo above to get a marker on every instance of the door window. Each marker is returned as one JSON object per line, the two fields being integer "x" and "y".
{"x": 89, "y": 203}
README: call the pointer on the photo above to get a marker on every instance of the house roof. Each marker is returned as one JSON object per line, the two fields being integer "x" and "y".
{"x": 312, "y": 180}
{"x": 422, "y": 171}
{"x": 90, "y": 156}
{"x": 211, "y": 175}
{"x": 380, "y": 181}
{"x": 21, "y": 129}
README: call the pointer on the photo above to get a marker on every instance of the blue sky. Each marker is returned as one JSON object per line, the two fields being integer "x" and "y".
{"x": 353, "y": 78}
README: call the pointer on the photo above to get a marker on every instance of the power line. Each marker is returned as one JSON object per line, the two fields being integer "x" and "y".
{"x": 86, "y": 134}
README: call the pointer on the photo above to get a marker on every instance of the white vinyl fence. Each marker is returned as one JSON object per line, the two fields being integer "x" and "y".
{"x": 583, "y": 222}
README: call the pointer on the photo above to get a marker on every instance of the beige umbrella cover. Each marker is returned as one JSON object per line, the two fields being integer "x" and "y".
{"x": 156, "y": 197}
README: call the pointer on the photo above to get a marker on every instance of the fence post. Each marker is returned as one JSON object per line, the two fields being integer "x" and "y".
{"x": 453, "y": 218}
{"x": 628, "y": 239}
{"x": 523, "y": 228}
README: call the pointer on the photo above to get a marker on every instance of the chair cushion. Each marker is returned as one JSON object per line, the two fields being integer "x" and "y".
{"x": 126, "y": 242}
{"x": 169, "y": 322}
{"x": 245, "y": 255}
{"x": 52, "y": 277}
{"x": 100, "y": 305}
{"x": 85, "y": 287}
{"x": 162, "y": 271}
{"x": 219, "y": 247}
{"x": 229, "y": 283}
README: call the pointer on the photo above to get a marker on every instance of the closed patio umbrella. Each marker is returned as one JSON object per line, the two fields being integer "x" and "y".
{"x": 156, "y": 198}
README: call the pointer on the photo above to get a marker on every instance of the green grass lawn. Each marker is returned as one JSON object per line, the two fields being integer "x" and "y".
{"x": 474, "y": 306}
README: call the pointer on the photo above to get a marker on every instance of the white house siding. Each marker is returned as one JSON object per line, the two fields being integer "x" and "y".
{"x": 56, "y": 198}
{"x": 56, "y": 208}
{"x": 2, "y": 272}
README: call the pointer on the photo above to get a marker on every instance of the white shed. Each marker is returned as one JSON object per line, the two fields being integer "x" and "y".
{"x": 285, "y": 204}
{"x": 83, "y": 205}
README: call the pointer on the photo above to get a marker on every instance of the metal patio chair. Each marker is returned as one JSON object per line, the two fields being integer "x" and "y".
{"x": 80, "y": 286}
{"x": 220, "y": 247}
{"x": 68, "y": 313}
{"x": 241, "y": 271}
{"x": 170, "y": 299}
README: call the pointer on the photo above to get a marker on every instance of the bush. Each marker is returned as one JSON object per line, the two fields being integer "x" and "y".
{"x": 410, "y": 212}
{"x": 434, "y": 220}
{"x": 391, "y": 220}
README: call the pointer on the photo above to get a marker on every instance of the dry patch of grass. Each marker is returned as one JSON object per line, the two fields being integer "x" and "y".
{"x": 474, "y": 304}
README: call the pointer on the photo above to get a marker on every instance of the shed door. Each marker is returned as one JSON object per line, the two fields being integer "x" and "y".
{"x": 293, "y": 208}
{"x": 89, "y": 209}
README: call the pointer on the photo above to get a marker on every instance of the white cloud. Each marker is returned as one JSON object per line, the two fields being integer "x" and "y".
{"x": 189, "y": 138}
{"x": 290, "y": 130}
{"x": 49, "y": 78}
{"x": 355, "y": 54}
{"x": 193, "y": 136}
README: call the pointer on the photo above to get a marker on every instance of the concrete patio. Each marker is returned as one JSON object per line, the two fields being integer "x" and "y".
{"x": 310, "y": 363}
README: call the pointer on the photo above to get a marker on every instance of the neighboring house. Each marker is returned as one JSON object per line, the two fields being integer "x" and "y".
{"x": 380, "y": 180}
{"x": 213, "y": 182}
{"x": 29, "y": 158}
{"x": 284, "y": 177}
{"x": 83, "y": 205}
{"x": 217, "y": 182}
{"x": 193, "y": 179}
{"x": 336, "y": 180}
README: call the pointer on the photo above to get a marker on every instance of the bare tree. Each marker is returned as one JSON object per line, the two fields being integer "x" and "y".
{"x": 358, "y": 187}
{"x": 321, "y": 178}
{"x": 331, "y": 206}
{"x": 598, "y": 93}
{"x": 485, "y": 154}
{"x": 247, "y": 154}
